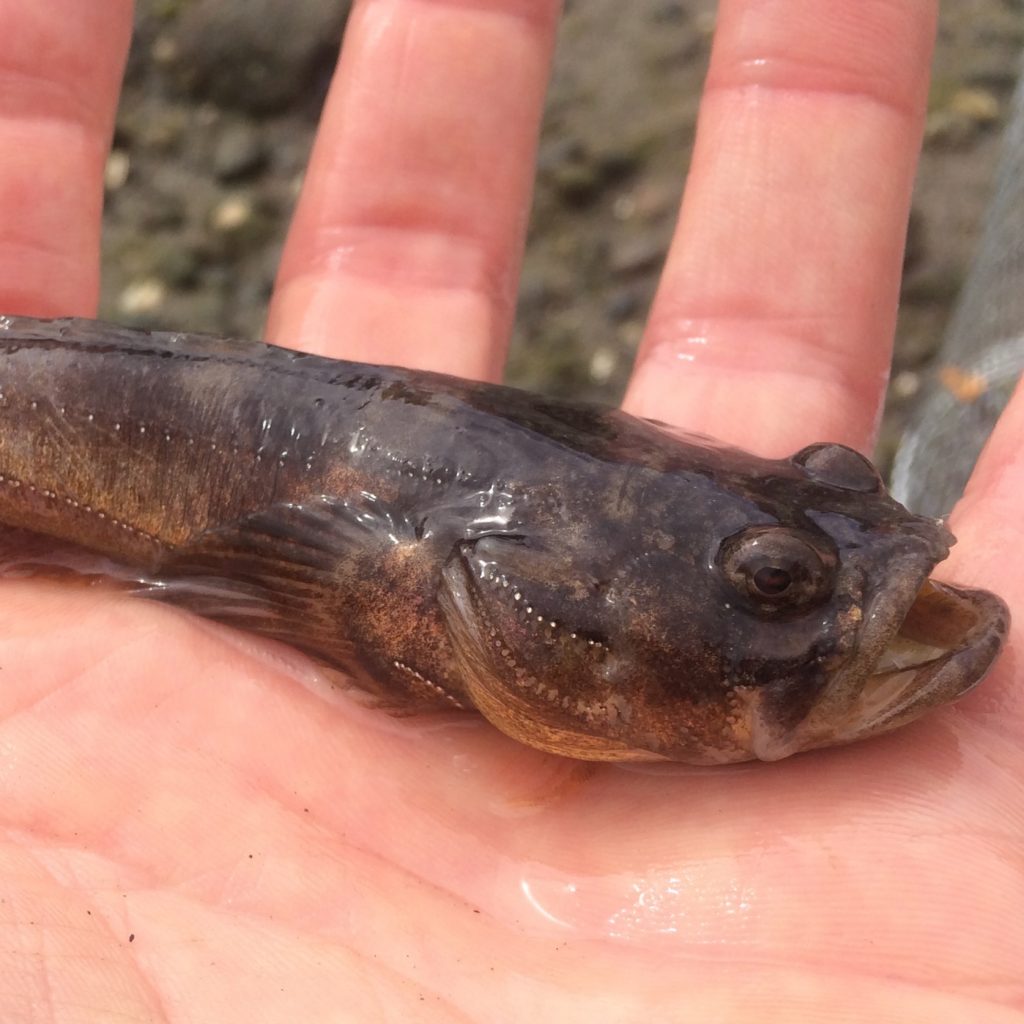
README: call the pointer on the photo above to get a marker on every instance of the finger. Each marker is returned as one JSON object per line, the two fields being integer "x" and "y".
{"x": 774, "y": 319}
{"x": 987, "y": 521}
{"x": 406, "y": 244}
{"x": 60, "y": 72}
{"x": 990, "y": 538}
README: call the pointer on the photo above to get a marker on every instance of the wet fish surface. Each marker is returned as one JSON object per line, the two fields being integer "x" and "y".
{"x": 595, "y": 585}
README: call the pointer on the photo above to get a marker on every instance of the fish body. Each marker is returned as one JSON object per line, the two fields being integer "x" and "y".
{"x": 594, "y": 584}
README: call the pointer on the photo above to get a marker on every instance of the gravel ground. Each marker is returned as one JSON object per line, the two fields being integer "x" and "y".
{"x": 220, "y": 105}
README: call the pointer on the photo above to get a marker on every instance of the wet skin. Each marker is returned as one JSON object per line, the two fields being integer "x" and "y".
{"x": 594, "y": 584}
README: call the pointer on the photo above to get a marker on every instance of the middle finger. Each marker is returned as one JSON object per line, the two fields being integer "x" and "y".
{"x": 406, "y": 243}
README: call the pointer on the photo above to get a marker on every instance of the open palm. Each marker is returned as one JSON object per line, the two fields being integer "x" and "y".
{"x": 192, "y": 831}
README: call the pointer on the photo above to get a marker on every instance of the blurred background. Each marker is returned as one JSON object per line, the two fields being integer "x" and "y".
{"x": 221, "y": 101}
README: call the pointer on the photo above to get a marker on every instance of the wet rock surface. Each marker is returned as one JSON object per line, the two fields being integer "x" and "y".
{"x": 220, "y": 106}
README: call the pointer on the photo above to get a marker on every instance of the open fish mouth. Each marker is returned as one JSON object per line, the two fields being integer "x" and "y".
{"x": 923, "y": 644}
{"x": 944, "y": 641}
{"x": 942, "y": 648}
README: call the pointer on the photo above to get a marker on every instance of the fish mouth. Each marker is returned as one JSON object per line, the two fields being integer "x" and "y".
{"x": 942, "y": 648}
{"x": 923, "y": 644}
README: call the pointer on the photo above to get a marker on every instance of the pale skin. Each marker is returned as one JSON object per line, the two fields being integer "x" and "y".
{"x": 281, "y": 856}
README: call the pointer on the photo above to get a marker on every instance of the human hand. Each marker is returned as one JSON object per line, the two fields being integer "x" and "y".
{"x": 277, "y": 857}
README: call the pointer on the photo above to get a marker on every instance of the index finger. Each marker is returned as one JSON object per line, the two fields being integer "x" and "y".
{"x": 773, "y": 323}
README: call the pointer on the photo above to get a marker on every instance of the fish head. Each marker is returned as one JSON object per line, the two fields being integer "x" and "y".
{"x": 749, "y": 610}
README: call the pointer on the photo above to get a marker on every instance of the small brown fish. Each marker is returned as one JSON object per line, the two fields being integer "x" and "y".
{"x": 594, "y": 584}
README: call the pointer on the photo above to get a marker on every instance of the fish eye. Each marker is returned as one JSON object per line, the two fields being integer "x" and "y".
{"x": 778, "y": 568}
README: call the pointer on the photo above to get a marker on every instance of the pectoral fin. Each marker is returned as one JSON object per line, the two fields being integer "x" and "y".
{"x": 290, "y": 572}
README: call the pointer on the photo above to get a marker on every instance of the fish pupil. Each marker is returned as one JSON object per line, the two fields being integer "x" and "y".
{"x": 772, "y": 580}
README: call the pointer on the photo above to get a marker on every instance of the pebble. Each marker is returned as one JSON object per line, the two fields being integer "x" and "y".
{"x": 239, "y": 152}
{"x": 905, "y": 384}
{"x": 115, "y": 172}
{"x": 140, "y": 297}
{"x": 978, "y": 105}
{"x": 637, "y": 255}
{"x": 602, "y": 365}
{"x": 231, "y": 214}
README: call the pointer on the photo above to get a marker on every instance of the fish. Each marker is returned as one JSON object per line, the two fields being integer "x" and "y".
{"x": 596, "y": 585}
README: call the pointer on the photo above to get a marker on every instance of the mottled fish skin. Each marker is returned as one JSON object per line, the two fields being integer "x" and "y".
{"x": 587, "y": 580}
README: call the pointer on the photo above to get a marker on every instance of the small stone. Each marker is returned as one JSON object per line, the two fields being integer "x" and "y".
{"x": 240, "y": 225}
{"x": 905, "y": 384}
{"x": 232, "y": 214}
{"x": 637, "y": 255}
{"x": 115, "y": 173}
{"x": 165, "y": 50}
{"x": 978, "y": 105}
{"x": 141, "y": 297}
{"x": 239, "y": 152}
{"x": 624, "y": 206}
{"x": 602, "y": 365}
